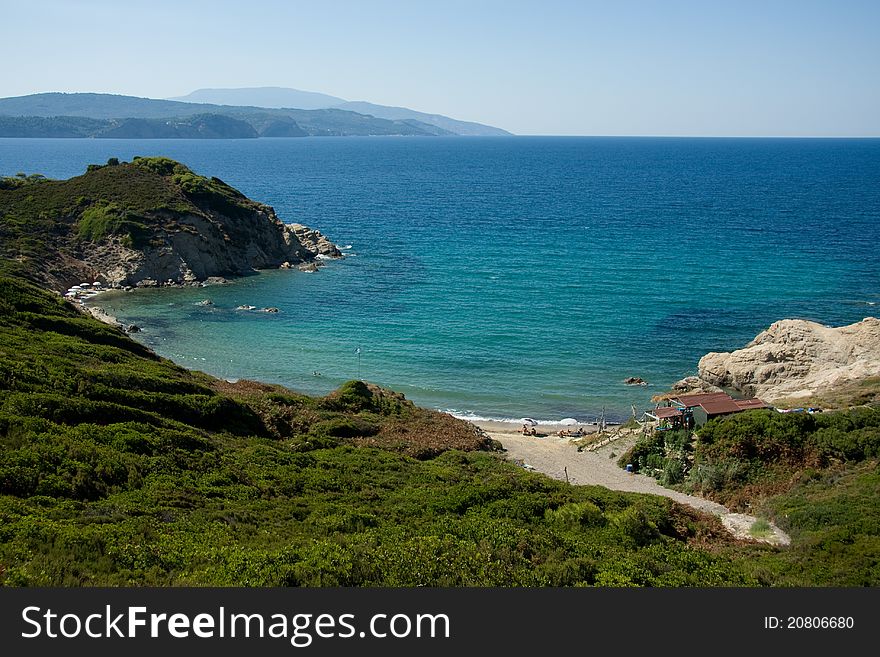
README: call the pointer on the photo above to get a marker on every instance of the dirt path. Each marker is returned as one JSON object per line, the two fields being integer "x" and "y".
{"x": 559, "y": 459}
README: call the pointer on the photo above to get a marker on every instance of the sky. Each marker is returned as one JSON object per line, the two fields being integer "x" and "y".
{"x": 548, "y": 67}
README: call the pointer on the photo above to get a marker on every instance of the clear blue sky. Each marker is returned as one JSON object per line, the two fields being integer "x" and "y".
{"x": 619, "y": 67}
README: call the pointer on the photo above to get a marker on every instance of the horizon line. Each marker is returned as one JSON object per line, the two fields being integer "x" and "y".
{"x": 511, "y": 134}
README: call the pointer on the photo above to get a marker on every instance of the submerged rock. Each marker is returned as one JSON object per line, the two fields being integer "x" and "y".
{"x": 214, "y": 280}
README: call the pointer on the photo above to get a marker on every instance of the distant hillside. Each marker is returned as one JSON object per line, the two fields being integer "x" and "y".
{"x": 96, "y": 106}
{"x": 464, "y": 128}
{"x": 273, "y": 97}
{"x": 106, "y": 115}
{"x": 280, "y": 97}
{"x": 200, "y": 126}
{"x": 56, "y": 126}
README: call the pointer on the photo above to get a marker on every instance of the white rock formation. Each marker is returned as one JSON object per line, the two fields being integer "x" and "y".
{"x": 797, "y": 358}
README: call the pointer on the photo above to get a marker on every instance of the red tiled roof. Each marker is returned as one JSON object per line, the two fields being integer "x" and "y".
{"x": 719, "y": 403}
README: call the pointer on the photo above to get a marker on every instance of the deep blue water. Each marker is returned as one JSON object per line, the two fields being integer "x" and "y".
{"x": 517, "y": 276}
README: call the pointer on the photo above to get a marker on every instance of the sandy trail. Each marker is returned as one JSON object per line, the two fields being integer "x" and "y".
{"x": 558, "y": 458}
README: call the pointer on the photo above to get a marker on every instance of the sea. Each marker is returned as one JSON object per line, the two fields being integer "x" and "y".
{"x": 511, "y": 277}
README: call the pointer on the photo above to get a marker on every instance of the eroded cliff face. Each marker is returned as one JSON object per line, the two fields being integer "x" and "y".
{"x": 797, "y": 358}
{"x": 194, "y": 248}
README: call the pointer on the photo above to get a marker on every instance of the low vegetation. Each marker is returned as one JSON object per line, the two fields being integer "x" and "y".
{"x": 813, "y": 474}
{"x": 118, "y": 467}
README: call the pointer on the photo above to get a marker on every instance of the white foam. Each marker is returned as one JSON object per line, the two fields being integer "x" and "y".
{"x": 472, "y": 417}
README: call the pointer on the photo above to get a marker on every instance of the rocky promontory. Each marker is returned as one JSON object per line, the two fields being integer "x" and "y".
{"x": 796, "y": 358}
{"x": 151, "y": 221}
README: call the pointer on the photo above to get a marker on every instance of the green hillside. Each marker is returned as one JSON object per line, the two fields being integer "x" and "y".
{"x": 118, "y": 467}
{"x": 45, "y": 223}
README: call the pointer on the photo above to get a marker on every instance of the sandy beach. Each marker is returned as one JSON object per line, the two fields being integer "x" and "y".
{"x": 557, "y": 457}
{"x": 543, "y": 430}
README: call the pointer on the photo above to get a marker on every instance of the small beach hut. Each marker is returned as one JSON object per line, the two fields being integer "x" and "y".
{"x": 706, "y": 406}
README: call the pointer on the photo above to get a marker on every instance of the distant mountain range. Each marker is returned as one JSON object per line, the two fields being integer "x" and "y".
{"x": 115, "y": 116}
{"x": 273, "y": 97}
{"x": 280, "y": 97}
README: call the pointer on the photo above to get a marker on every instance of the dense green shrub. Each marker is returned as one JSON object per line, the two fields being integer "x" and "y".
{"x": 635, "y": 527}
{"x": 719, "y": 474}
{"x": 749, "y": 447}
{"x": 582, "y": 514}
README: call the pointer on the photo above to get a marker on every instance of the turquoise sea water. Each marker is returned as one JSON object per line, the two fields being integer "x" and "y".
{"x": 505, "y": 277}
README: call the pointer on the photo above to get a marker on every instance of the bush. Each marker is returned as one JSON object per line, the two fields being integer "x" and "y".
{"x": 352, "y": 396}
{"x": 575, "y": 515}
{"x": 104, "y": 219}
{"x": 673, "y": 473}
{"x": 635, "y": 527}
{"x": 719, "y": 475}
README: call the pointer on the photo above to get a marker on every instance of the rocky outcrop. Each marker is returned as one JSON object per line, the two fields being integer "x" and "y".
{"x": 148, "y": 222}
{"x": 797, "y": 358}
{"x": 198, "y": 248}
{"x": 307, "y": 243}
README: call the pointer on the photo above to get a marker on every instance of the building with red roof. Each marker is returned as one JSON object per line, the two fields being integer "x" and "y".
{"x": 695, "y": 410}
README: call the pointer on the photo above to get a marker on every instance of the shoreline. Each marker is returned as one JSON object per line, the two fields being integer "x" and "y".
{"x": 89, "y": 303}
{"x": 543, "y": 429}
